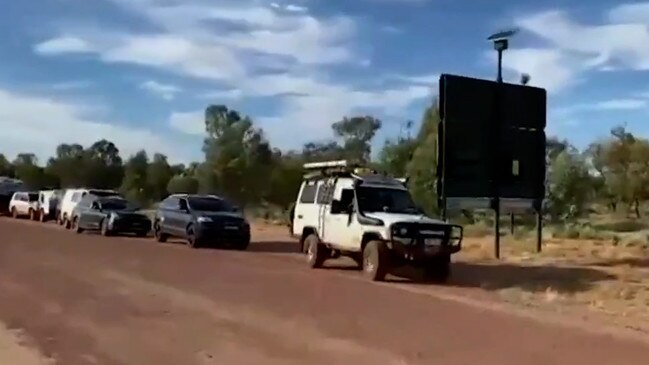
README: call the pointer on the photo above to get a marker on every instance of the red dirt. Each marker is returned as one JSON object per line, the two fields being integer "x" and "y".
{"x": 86, "y": 299}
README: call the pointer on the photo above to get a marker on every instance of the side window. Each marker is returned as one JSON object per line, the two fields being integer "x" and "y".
{"x": 24, "y": 197}
{"x": 182, "y": 204}
{"x": 170, "y": 203}
{"x": 308, "y": 193}
{"x": 325, "y": 193}
{"x": 347, "y": 197}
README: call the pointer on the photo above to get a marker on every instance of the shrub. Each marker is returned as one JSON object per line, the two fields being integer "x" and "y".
{"x": 622, "y": 226}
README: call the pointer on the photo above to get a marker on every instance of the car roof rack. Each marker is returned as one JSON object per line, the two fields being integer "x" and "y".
{"x": 353, "y": 169}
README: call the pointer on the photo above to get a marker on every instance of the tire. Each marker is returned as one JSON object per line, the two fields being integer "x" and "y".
{"x": 66, "y": 222}
{"x": 75, "y": 225}
{"x": 376, "y": 260}
{"x": 157, "y": 233}
{"x": 41, "y": 216}
{"x": 104, "y": 229}
{"x": 192, "y": 242}
{"x": 438, "y": 270}
{"x": 316, "y": 252}
{"x": 141, "y": 233}
{"x": 14, "y": 213}
{"x": 32, "y": 214}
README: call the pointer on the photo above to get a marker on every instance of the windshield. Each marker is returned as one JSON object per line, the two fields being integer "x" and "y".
{"x": 116, "y": 204}
{"x": 209, "y": 205}
{"x": 385, "y": 200}
{"x": 33, "y": 197}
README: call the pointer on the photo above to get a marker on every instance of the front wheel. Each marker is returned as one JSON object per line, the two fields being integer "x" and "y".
{"x": 158, "y": 234}
{"x": 75, "y": 225}
{"x": 376, "y": 260}
{"x": 105, "y": 230}
{"x": 41, "y": 216}
{"x": 14, "y": 213}
{"x": 192, "y": 241}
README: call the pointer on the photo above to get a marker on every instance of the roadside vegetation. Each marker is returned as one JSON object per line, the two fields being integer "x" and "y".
{"x": 596, "y": 248}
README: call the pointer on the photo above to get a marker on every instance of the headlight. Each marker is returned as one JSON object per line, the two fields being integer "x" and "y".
{"x": 204, "y": 220}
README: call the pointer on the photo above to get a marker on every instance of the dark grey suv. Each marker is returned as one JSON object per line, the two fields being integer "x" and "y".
{"x": 203, "y": 220}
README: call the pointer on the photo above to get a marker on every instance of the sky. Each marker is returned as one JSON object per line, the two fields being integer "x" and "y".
{"x": 141, "y": 72}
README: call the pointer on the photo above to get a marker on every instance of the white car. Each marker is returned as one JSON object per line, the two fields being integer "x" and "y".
{"x": 72, "y": 197}
{"x": 48, "y": 202}
{"x": 343, "y": 210}
{"x": 23, "y": 204}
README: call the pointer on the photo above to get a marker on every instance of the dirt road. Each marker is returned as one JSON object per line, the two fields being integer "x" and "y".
{"x": 86, "y": 299}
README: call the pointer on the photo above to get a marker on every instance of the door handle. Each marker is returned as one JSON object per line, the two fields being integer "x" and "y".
{"x": 299, "y": 216}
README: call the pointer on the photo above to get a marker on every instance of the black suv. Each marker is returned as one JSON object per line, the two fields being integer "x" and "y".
{"x": 109, "y": 215}
{"x": 202, "y": 220}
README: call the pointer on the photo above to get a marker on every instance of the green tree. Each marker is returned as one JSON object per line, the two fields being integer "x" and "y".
{"x": 285, "y": 181}
{"x": 182, "y": 185}
{"x": 357, "y": 134}
{"x": 135, "y": 184}
{"x": 6, "y": 167}
{"x": 238, "y": 154}
{"x": 328, "y": 151}
{"x": 34, "y": 176}
{"x": 422, "y": 167}
{"x": 68, "y": 165}
{"x": 396, "y": 155}
{"x": 103, "y": 165}
{"x": 158, "y": 175}
{"x": 569, "y": 184}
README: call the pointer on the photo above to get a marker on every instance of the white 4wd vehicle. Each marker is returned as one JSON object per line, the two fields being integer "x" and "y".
{"x": 24, "y": 204}
{"x": 372, "y": 219}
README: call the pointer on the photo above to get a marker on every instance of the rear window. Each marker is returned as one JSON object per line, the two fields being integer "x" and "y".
{"x": 308, "y": 193}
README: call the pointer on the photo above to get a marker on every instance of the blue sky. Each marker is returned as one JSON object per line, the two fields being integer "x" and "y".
{"x": 141, "y": 72}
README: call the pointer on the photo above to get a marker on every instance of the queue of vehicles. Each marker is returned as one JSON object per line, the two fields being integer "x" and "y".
{"x": 341, "y": 209}
{"x": 202, "y": 220}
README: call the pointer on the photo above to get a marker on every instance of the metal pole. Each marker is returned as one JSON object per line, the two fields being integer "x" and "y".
{"x": 497, "y": 164}
{"x": 539, "y": 230}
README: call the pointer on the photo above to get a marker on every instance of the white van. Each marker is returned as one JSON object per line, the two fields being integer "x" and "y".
{"x": 72, "y": 197}
{"x": 48, "y": 202}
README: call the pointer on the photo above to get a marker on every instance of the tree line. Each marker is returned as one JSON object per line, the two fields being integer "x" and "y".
{"x": 240, "y": 163}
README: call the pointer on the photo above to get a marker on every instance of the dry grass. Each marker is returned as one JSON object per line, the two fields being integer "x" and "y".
{"x": 604, "y": 278}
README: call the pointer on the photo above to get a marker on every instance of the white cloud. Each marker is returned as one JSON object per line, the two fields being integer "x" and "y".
{"x": 229, "y": 42}
{"x": 63, "y": 44}
{"x": 622, "y": 104}
{"x": 38, "y": 124}
{"x": 188, "y": 122}
{"x": 613, "y": 44}
{"x": 630, "y": 13}
{"x": 548, "y": 68}
{"x": 165, "y": 91}
{"x": 296, "y": 8}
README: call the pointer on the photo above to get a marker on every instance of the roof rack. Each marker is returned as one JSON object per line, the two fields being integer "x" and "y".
{"x": 346, "y": 168}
